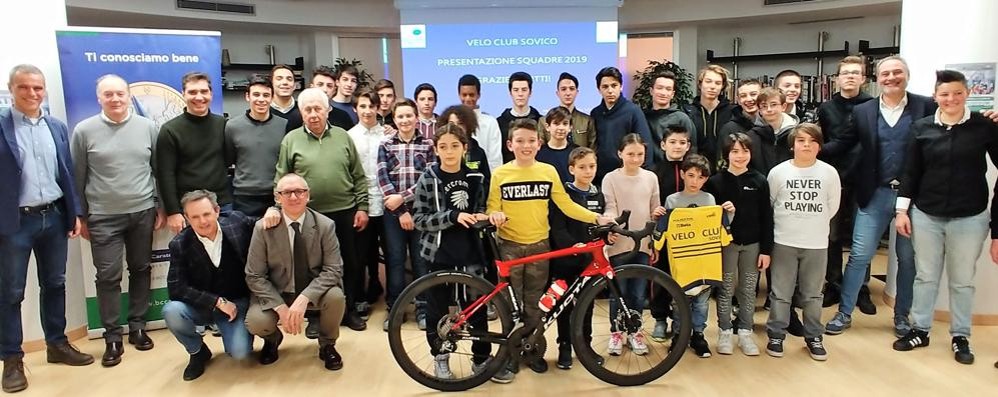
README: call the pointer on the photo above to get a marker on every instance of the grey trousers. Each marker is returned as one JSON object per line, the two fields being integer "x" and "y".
{"x": 738, "y": 270}
{"x": 529, "y": 281}
{"x": 805, "y": 269}
{"x": 331, "y": 306}
{"x": 111, "y": 237}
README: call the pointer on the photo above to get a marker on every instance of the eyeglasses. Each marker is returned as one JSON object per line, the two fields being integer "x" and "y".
{"x": 296, "y": 192}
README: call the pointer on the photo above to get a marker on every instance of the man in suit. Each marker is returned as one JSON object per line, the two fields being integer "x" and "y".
{"x": 881, "y": 128}
{"x": 38, "y": 211}
{"x": 206, "y": 280}
{"x": 294, "y": 269}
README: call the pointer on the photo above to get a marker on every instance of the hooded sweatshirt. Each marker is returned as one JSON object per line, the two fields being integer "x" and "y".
{"x": 740, "y": 122}
{"x": 708, "y": 125}
{"x": 834, "y": 117}
{"x": 749, "y": 192}
{"x": 659, "y": 121}
{"x": 507, "y": 118}
{"x": 669, "y": 173}
{"x": 611, "y": 125}
{"x": 440, "y": 198}
{"x": 770, "y": 148}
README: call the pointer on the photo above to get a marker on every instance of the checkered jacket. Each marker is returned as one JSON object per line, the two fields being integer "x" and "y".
{"x": 400, "y": 165}
{"x": 430, "y": 212}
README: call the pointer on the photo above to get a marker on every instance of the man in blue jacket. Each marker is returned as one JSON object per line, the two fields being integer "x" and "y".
{"x": 38, "y": 211}
{"x": 614, "y": 118}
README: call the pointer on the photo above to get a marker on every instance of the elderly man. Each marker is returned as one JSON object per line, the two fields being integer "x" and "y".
{"x": 38, "y": 210}
{"x": 113, "y": 162}
{"x": 327, "y": 159}
{"x": 189, "y": 151}
{"x": 293, "y": 269}
{"x": 206, "y": 280}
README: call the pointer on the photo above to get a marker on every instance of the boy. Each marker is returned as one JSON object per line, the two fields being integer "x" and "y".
{"x": 805, "y": 193}
{"x": 426, "y": 100}
{"x": 469, "y": 90}
{"x": 789, "y": 83}
{"x": 744, "y": 115}
{"x": 520, "y": 88}
{"x": 558, "y": 148}
{"x": 566, "y": 232}
{"x": 525, "y": 187}
{"x": 615, "y": 117}
{"x": 696, "y": 170}
{"x": 346, "y": 83}
{"x": 583, "y": 130}
{"x": 324, "y": 78}
{"x": 664, "y": 113}
{"x": 710, "y": 111}
{"x": 675, "y": 144}
{"x": 769, "y": 144}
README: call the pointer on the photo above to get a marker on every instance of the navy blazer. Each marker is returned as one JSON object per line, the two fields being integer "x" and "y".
{"x": 10, "y": 173}
{"x": 863, "y": 130}
{"x": 190, "y": 274}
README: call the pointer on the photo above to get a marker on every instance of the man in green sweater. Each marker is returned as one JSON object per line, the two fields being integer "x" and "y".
{"x": 189, "y": 151}
{"x": 328, "y": 160}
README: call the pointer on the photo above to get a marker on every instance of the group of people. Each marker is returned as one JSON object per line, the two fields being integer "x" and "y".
{"x": 321, "y": 183}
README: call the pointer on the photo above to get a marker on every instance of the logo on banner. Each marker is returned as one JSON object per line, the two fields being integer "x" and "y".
{"x": 413, "y": 36}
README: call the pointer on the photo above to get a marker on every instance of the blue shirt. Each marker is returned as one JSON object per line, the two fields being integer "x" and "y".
{"x": 39, "y": 164}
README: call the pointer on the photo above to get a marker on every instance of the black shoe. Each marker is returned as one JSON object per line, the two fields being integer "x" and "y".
{"x": 195, "y": 368}
{"x": 830, "y": 296}
{"x": 13, "y": 375}
{"x": 961, "y": 350}
{"x": 312, "y": 329}
{"x": 911, "y": 340}
{"x": 68, "y": 354}
{"x": 766, "y": 304}
{"x": 112, "y": 354}
{"x": 866, "y": 305}
{"x": 816, "y": 349}
{"x": 699, "y": 345}
{"x": 140, "y": 339}
{"x": 774, "y": 347}
{"x": 795, "y": 328}
{"x": 564, "y": 356}
{"x": 332, "y": 359}
{"x": 539, "y": 365}
{"x": 268, "y": 354}
{"x": 352, "y": 321}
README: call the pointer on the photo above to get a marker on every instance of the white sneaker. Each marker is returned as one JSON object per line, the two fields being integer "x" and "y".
{"x": 724, "y": 344}
{"x": 746, "y": 343}
{"x": 616, "y": 344}
{"x": 637, "y": 344}
{"x": 441, "y": 366}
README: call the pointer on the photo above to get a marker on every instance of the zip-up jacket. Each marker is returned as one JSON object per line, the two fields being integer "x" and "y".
{"x": 749, "y": 192}
{"x": 430, "y": 213}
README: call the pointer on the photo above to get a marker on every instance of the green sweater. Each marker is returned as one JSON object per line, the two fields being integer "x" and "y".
{"x": 189, "y": 156}
{"x": 331, "y": 166}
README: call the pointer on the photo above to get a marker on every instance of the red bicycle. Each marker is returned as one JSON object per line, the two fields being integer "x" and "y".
{"x": 475, "y": 348}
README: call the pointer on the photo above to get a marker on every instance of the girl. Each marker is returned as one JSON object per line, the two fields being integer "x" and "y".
{"x": 752, "y": 232}
{"x": 631, "y": 188}
{"x": 449, "y": 199}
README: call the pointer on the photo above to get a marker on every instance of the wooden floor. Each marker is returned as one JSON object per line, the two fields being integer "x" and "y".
{"x": 861, "y": 362}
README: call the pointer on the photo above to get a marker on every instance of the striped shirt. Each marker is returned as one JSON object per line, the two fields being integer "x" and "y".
{"x": 400, "y": 164}
{"x": 427, "y": 128}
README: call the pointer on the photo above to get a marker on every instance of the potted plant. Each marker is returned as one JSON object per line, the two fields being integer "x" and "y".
{"x": 646, "y": 79}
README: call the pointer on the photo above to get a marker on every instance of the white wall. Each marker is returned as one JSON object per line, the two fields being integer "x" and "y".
{"x": 22, "y": 21}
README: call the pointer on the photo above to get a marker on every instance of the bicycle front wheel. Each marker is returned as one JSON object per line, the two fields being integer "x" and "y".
{"x": 443, "y": 358}
{"x": 620, "y": 350}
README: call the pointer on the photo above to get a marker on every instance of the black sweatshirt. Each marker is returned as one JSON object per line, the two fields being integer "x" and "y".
{"x": 708, "y": 126}
{"x": 566, "y": 232}
{"x": 749, "y": 192}
{"x": 670, "y": 179}
{"x": 834, "y": 116}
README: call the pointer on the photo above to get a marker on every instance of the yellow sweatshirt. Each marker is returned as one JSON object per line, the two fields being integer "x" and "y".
{"x": 523, "y": 194}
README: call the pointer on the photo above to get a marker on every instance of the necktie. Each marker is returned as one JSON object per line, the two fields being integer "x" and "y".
{"x": 302, "y": 277}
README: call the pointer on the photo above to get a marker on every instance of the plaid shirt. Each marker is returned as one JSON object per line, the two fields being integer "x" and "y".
{"x": 400, "y": 164}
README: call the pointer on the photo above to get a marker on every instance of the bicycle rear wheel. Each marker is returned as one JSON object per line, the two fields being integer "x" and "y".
{"x": 630, "y": 367}
{"x": 472, "y": 353}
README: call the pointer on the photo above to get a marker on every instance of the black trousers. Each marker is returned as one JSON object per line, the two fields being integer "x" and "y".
{"x": 353, "y": 272}
{"x": 568, "y": 269}
{"x": 369, "y": 242}
{"x": 441, "y": 298}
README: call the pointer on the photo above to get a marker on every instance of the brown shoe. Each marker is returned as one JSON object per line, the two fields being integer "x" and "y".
{"x": 13, "y": 375}
{"x": 68, "y": 354}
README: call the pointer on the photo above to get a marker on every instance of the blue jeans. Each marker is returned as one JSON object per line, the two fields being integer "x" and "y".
{"x": 699, "y": 304}
{"x": 871, "y": 223}
{"x": 401, "y": 244}
{"x": 45, "y": 235}
{"x": 953, "y": 243}
{"x": 182, "y": 320}
{"x": 633, "y": 289}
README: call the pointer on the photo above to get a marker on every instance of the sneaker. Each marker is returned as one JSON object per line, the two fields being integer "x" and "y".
{"x": 865, "y": 304}
{"x": 746, "y": 343}
{"x": 901, "y": 326}
{"x": 816, "y": 349}
{"x": 774, "y": 347}
{"x": 564, "y": 356}
{"x": 504, "y": 375}
{"x": 539, "y": 365}
{"x": 421, "y": 321}
{"x": 490, "y": 313}
{"x": 699, "y": 345}
{"x": 637, "y": 344}
{"x": 363, "y": 310}
{"x": 795, "y": 327}
{"x": 385, "y": 328}
{"x": 839, "y": 323}
{"x": 911, "y": 340}
{"x": 962, "y": 351}
{"x": 766, "y": 304}
{"x": 616, "y": 343}
{"x": 661, "y": 331}
{"x": 441, "y": 366}
{"x": 724, "y": 343}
